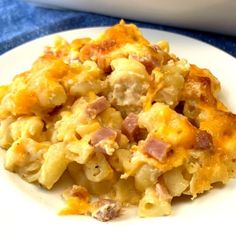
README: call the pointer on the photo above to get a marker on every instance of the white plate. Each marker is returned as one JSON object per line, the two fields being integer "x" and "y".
{"x": 29, "y": 209}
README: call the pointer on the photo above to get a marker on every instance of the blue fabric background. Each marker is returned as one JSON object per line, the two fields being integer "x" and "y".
{"x": 21, "y": 22}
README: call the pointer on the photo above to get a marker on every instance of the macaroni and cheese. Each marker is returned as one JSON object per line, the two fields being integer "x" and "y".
{"x": 129, "y": 121}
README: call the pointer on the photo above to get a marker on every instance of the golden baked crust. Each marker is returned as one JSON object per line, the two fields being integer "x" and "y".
{"x": 130, "y": 122}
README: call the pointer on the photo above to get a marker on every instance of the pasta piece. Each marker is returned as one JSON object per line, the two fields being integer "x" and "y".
{"x": 65, "y": 128}
{"x": 82, "y": 150}
{"x": 87, "y": 77}
{"x": 111, "y": 118}
{"x": 209, "y": 170}
{"x": 78, "y": 175}
{"x": 172, "y": 82}
{"x": 54, "y": 165}
{"x": 175, "y": 182}
{"x": 163, "y": 45}
{"x": 114, "y": 161}
{"x": 27, "y": 127}
{"x": 85, "y": 129}
{"x": 151, "y": 205}
{"x": 124, "y": 156}
{"x": 25, "y": 157}
{"x": 22, "y": 152}
{"x": 124, "y": 191}
{"x": 98, "y": 169}
{"x": 5, "y": 132}
{"x": 96, "y": 188}
{"x": 146, "y": 177}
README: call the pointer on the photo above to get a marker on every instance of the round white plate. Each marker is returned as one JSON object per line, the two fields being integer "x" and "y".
{"x": 28, "y": 209}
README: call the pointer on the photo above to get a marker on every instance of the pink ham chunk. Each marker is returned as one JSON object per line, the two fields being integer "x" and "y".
{"x": 106, "y": 209}
{"x": 162, "y": 192}
{"x": 98, "y": 106}
{"x": 130, "y": 126}
{"x": 103, "y": 134}
{"x": 156, "y": 148}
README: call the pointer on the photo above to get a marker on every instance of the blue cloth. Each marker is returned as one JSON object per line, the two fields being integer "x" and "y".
{"x": 21, "y": 22}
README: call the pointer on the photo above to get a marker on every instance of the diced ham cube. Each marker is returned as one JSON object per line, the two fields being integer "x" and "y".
{"x": 98, "y": 106}
{"x": 102, "y": 134}
{"x": 162, "y": 192}
{"x": 156, "y": 148}
{"x": 106, "y": 209}
{"x": 104, "y": 140}
{"x": 203, "y": 140}
{"x": 130, "y": 126}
